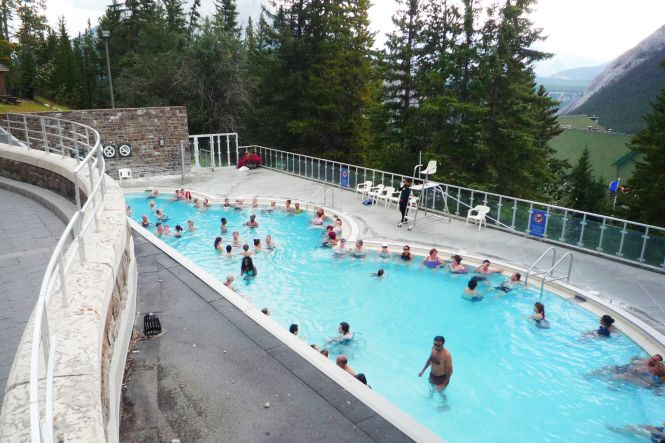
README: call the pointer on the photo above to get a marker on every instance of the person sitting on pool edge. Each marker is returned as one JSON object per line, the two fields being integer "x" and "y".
{"x": 433, "y": 260}
{"x": 485, "y": 268}
{"x": 539, "y": 316}
{"x": 456, "y": 267}
{"x": 470, "y": 292}
{"x": 442, "y": 365}
{"x": 252, "y": 223}
{"x": 509, "y": 285}
{"x": 247, "y": 268}
{"x": 343, "y": 363}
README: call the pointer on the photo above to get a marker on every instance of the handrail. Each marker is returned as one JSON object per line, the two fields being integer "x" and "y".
{"x": 528, "y": 271}
{"x": 52, "y": 138}
{"x": 554, "y": 266}
{"x": 323, "y": 199}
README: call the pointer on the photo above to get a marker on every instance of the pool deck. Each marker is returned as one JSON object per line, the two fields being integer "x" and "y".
{"x": 216, "y": 375}
{"x": 28, "y": 234}
{"x": 640, "y": 291}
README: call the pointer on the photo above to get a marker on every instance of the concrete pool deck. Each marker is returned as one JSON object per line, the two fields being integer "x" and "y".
{"x": 640, "y": 291}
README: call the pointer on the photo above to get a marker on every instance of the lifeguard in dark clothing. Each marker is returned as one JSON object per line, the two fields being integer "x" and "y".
{"x": 404, "y": 194}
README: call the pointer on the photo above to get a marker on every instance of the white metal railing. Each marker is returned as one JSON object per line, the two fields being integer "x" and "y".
{"x": 211, "y": 143}
{"x": 529, "y": 272}
{"x": 80, "y": 142}
{"x": 611, "y": 237}
{"x": 550, "y": 272}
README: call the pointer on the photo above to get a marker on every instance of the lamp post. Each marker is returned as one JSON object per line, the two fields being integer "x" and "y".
{"x": 106, "y": 35}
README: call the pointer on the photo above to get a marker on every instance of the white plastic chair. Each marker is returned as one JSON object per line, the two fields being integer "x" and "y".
{"x": 393, "y": 197}
{"x": 363, "y": 188}
{"x": 376, "y": 191}
{"x": 125, "y": 173}
{"x": 387, "y": 192}
{"x": 478, "y": 214}
{"x": 430, "y": 169}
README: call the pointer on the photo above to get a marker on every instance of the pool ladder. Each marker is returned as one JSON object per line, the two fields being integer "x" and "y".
{"x": 322, "y": 198}
{"x": 548, "y": 275}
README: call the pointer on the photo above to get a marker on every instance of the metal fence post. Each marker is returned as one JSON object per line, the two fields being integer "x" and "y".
{"x": 197, "y": 161}
{"x": 623, "y": 236}
{"x": 498, "y": 211}
{"x": 602, "y": 233}
{"x": 62, "y": 145}
{"x": 43, "y": 125}
{"x": 512, "y": 223}
{"x": 644, "y": 244}
{"x": 563, "y": 228}
{"x": 92, "y": 186}
{"x": 25, "y": 129}
{"x": 228, "y": 151}
{"x": 583, "y": 224}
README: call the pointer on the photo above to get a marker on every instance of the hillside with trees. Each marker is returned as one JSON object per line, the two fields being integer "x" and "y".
{"x": 621, "y": 95}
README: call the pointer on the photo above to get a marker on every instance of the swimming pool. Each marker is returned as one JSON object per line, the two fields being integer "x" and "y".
{"x": 518, "y": 382}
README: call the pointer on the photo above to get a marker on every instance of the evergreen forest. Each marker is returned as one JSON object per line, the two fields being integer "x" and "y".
{"x": 454, "y": 81}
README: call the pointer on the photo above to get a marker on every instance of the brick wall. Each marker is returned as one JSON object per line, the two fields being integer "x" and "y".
{"x": 142, "y": 128}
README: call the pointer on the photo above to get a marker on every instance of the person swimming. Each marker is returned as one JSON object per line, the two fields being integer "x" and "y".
{"x": 470, "y": 292}
{"x": 539, "y": 316}
{"x": 227, "y": 203}
{"x": 433, "y": 260}
{"x": 485, "y": 268}
{"x": 161, "y": 216}
{"x": 318, "y": 217}
{"x": 154, "y": 193}
{"x": 380, "y": 273}
{"x": 252, "y": 223}
{"x": 330, "y": 238}
{"x": 269, "y": 242}
{"x": 144, "y": 221}
{"x": 359, "y": 251}
{"x": 384, "y": 252}
{"x": 271, "y": 208}
{"x": 341, "y": 248}
{"x": 345, "y": 334}
{"x": 229, "y": 251}
{"x": 236, "y": 238}
{"x": 257, "y": 245}
{"x": 223, "y": 228}
{"x": 178, "y": 231}
{"x": 337, "y": 226}
{"x": 190, "y": 226}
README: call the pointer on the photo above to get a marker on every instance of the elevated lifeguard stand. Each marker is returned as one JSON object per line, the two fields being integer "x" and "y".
{"x": 424, "y": 187}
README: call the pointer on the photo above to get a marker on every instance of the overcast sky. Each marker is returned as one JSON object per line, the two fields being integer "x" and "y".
{"x": 580, "y": 32}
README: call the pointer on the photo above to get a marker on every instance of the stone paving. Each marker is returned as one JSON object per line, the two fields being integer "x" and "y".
{"x": 639, "y": 290}
{"x": 28, "y": 234}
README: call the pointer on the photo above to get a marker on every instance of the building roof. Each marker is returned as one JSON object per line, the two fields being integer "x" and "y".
{"x": 3, "y": 68}
{"x": 628, "y": 156}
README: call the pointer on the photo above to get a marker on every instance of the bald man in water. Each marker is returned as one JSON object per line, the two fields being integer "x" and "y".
{"x": 343, "y": 363}
{"x": 442, "y": 365}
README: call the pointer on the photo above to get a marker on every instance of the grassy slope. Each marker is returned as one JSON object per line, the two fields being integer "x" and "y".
{"x": 604, "y": 148}
{"x": 32, "y": 106}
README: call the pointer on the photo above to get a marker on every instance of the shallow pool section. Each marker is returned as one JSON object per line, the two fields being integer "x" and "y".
{"x": 512, "y": 382}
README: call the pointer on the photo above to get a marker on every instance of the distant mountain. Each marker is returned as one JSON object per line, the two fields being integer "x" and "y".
{"x": 621, "y": 94}
{"x": 571, "y": 80}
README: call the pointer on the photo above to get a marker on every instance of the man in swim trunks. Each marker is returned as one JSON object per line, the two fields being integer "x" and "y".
{"x": 442, "y": 365}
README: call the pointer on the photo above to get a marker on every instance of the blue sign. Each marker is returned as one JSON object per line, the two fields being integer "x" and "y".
{"x": 344, "y": 176}
{"x": 614, "y": 186}
{"x": 537, "y": 223}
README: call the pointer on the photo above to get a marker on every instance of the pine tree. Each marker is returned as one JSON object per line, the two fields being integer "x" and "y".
{"x": 585, "y": 192}
{"x": 648, "y": 181}
{"x": 65, "y": 72}
{"x": 194, "y": 17}
{"x": 175, "y": 16}
{"x": 226, "y": 17}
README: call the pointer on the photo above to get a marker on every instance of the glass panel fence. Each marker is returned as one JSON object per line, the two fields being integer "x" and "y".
{"x": 655, "y": 249}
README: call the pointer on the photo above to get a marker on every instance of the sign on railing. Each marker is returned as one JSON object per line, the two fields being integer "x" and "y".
{"x": 81, "y": 143}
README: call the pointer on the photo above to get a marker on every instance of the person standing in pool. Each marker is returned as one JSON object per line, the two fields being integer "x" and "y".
{"x": 470, "y": 292}
{"x": 404, "y": 194}
{"x": 247, "y": 268}
{"x": 539, "y": 316}
{"x": 442, "y": 365}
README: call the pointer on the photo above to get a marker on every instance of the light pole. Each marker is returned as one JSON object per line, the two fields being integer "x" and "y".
{"x": 106, "y": 35}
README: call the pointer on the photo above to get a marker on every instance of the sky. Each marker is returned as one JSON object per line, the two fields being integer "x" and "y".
{"x": 580, "y": 32}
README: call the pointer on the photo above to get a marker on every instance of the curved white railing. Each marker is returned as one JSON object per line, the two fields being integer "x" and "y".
{"x": 82, "y": 143}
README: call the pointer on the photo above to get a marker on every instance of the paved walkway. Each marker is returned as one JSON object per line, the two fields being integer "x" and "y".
{"x": 28, "y": 233}
{"x": 639, "y": 290}
{"x": 208, "y": 377}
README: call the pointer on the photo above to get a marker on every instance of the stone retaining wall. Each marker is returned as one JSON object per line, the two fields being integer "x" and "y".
{"x": 91, "y": 330}
{"x": 42, "y": 178}
{"x": 155, "y": 135}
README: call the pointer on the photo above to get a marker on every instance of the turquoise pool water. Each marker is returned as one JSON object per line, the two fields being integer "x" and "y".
{"x": 512, "y": 382}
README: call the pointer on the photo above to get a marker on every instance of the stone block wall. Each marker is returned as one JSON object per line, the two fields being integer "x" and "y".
{"x": 39, "y": 177}
{"x": 155, "y": 135}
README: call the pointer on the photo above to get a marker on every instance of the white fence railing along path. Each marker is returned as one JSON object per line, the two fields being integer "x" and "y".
{"x": 82, "y": 144}
{"x": 612, "y": 237}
